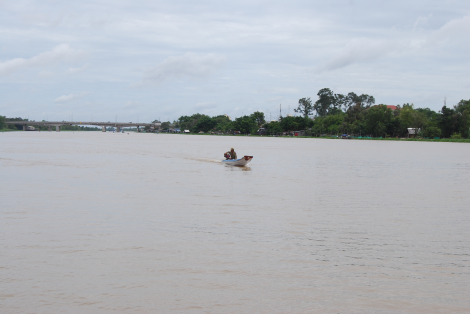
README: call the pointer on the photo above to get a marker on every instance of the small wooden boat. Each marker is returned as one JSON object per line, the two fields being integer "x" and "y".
{"x": 238, "y": 162}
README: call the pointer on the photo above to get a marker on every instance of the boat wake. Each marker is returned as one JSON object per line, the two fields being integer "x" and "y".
{"x": 207, "y": 160}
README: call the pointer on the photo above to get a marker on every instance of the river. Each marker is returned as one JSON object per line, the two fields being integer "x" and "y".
{"x": 94, "y": 222}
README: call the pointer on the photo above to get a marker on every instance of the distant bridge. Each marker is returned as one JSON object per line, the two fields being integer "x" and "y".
{"x": 103, "y": 125}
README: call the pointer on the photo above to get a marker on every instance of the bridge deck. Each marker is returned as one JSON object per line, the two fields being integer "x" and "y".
{"x": 61, "y": 123}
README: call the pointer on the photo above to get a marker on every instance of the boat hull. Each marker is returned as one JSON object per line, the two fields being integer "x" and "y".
{"x": 238, "y": 162}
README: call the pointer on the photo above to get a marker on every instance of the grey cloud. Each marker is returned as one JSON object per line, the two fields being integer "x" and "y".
{"x": 189, "y": 65}
{"x": 361, "y": 50}
{"x": 421, "y": 21}
{"x": 131, "y": 104}
{"x": 272, "y": 49}
{"x": 366, "y": 50}
{"x": 276, "y": 90}
{"x": 77, "y": 70}
{"x": 205, "y": 105}
{"x": 67, "y": 98}
{"x": 59, "y": 53}
{"x": 456, "y": 29}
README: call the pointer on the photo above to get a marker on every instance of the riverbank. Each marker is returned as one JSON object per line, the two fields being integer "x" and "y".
{"x": 463, "y": 140}
{"x": 338, "y": 138}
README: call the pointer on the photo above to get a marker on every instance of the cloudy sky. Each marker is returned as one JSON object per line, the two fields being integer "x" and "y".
{"x": 145, "y": 60}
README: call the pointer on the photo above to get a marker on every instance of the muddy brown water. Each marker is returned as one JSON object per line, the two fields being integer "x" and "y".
{"x": 94, "y": 222}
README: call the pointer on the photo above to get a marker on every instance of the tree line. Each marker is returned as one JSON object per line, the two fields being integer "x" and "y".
{"x": 336, "y": 114}
{"x": 358, "y": 115}
{"x": 330, "y": 114}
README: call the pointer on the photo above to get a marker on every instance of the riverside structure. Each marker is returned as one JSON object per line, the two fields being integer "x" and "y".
{"x": 58, "y": 124}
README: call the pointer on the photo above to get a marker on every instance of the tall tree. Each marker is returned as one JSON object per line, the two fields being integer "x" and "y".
{"x": 448, "y": 122}
{"x": 289, "y": 124}
{"x": 259, "y": 118}
{"x": 326, "y": 100}
{"x": 205, "y": 124}
{"x": 378, "y": 119}
{"x": 463, "y": 110}
{"x": 305, "y": 107}
{"x": 364, "y": 100}
{"x": 165, "y": 125}
{"x": 274, "y": 127}
{"x": 245, "y": 124}
{"x": 412, "y": 118}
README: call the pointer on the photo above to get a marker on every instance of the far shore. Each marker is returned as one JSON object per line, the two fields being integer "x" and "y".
{"x": 286, "y": 136}
{"x": 337, "y": 138}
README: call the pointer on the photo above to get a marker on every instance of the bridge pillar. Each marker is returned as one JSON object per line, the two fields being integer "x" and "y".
{"x": 57, "y": 128}
{"x": 103, "y": 128}
{"x": 25, "y": 127}
{"x": 49, "y": 128}
{"x": 118, "y": 128}
{"x": 138, "y": 129}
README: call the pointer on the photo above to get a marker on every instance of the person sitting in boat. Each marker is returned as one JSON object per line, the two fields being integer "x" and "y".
{"x": 231, "y": 154}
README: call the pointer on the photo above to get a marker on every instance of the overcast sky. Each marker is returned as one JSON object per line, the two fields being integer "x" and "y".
{"x": 145, "y": 60}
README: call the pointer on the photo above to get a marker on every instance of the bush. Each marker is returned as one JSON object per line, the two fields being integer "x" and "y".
{"x": 456, "y": 136}
{"x": 431, "y": 132}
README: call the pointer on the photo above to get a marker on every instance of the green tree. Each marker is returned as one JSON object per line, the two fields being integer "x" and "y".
{"x": 245, "y": 124}
{"x": 189, "y": 122}
{"x": 412, "y": 118}
{"x": 377, "y": 120}
{"x": 259, "y": 118}
{"x": 305, "y": 107}
{"x": 289, "y": 124}
{"x": 205, "y": 124}
{"x": 223, "y": 123}
{"x": 352, "y": 99}
{"x": 331, "y": 124}
{"x": 326, "y": 100}
{"x": 273, "y": 128}
{"x": 165, "y": 125}
{"x": 2, "y": 122}
{"x": 448, "y": 122}
{"x": 355, "y": 116}
{"x": 463, "y": 110}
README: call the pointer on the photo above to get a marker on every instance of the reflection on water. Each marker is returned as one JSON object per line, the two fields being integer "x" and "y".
{"x": 233, "y": 168}
{"x": 102, "y": 222}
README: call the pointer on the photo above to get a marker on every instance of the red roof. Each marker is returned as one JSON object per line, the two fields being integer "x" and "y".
{"x": 390, "y": 106}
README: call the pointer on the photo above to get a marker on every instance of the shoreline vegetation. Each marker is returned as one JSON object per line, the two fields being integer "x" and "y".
{"x": 350, "y": 116}
{"x": 449, "y": 140}
{"x": 345, "y": 116}
{"x": 339, "y": 138}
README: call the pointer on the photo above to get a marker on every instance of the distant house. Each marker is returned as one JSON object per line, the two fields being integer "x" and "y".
{"x": 389, "y": 106}
{"x": 177, "y": 130}
{"x": 413, "y": 132}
